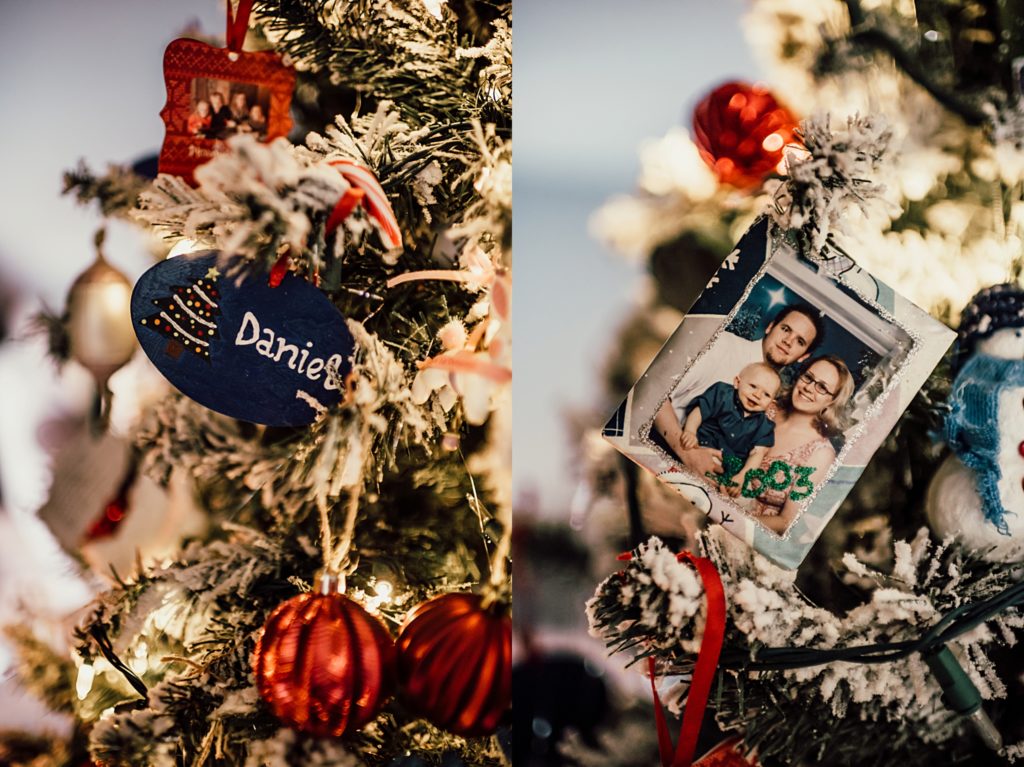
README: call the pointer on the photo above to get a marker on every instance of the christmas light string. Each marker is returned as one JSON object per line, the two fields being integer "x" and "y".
{"x": 107, "y": 649}
{"x": 958, "y": 621}
{"x": 959, "y": 692}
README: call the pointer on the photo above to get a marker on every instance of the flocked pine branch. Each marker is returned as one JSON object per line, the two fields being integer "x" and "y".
{"x": 256, "y": 198}
{"x": 252, "y": 201}
{"x": 878, "y": 708}
{"x": 834, "y": 177}
{"x": 290, "y": 472}
{"x": 44, "y": 671}
{"x": 368, "y": 483}
{"x": 409, "y": 58}
{"x": 193, "y": 623}
{"x": 116, "y": 192}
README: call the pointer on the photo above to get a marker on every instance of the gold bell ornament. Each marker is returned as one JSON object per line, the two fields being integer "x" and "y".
{"x": 99, "y": 323}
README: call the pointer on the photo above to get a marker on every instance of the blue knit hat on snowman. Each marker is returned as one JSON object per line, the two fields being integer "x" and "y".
{"x": 991, "y": 309}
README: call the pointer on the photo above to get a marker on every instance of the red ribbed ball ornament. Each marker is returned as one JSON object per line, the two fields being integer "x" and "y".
{"x": 455, "y": 663}
{"x": 741, "y": 131}
{"x": 323, "y": 664}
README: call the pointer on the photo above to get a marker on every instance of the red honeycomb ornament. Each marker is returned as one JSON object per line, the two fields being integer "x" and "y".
{"x": 741, "y": 131}
{"x": 323, "y": 664}
{"x": 455, "y": 663}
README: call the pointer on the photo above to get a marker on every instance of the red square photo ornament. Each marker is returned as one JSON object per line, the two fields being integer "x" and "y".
{"x": 216, "y": 93}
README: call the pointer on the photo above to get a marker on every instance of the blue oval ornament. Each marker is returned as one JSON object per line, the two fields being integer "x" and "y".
{"x": 246, "y": 350}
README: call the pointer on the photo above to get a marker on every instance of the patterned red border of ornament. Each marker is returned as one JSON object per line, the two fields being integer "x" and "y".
{"x": 186, "y": 60}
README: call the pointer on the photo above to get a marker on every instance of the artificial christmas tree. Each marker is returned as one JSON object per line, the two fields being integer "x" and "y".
{"x": 394, "y": 204}
{"x": 884, "y": 647}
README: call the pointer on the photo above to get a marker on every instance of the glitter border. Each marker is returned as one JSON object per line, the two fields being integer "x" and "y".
{"x": 775, "y": 243}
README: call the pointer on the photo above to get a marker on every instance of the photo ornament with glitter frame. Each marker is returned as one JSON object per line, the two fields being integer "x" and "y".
{"x": 764, "y": 406}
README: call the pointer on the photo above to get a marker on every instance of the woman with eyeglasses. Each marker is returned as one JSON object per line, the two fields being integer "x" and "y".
{"x": 806, "y": 417}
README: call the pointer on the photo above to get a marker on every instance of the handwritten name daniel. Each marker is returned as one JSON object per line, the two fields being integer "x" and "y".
{"x": 299, "y": 361}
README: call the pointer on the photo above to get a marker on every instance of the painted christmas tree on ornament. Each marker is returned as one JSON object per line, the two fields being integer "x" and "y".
{"x": 186, "y": 317}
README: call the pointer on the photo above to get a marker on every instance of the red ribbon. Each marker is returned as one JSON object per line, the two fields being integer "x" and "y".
{"x": 703, "y": 671}
{"x": 279, "y": 270}
{"x": 238, "y": 24}
{"x": 342, "y": 209}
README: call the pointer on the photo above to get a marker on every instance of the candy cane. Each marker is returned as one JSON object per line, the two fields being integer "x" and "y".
{"x": 468, "y": 362}
{"x": 376, "y": 201}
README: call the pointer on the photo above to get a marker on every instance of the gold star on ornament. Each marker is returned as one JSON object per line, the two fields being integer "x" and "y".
{"x": 212, "y": 274}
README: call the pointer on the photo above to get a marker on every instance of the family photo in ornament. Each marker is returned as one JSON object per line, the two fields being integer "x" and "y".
{"x": 766, "y": 410}
{"x": 221, "y": 109}
{"x": 757, "y": 407}
{"x": 216, "y": 94}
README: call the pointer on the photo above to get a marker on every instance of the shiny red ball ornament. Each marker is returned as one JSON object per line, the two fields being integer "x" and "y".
{"x": 741, "y": 131}
{"x": 455, "y": 663}
{"x": 323, "y": 664}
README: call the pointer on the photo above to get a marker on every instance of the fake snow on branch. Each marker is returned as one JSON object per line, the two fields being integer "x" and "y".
{"x": 828, "y": 180}
{"x": 209, "y": 604}
{"x": 252, "y": 201}
{"x": 487, "y": 221}
{"x": 657, "y": 599}
{"x": 455, "y": 172}
{"x": 255, "y": 198}
{"x": 655, "y": 603}
{"x": 404, "y": 158}
{"x": 496, "y": 75}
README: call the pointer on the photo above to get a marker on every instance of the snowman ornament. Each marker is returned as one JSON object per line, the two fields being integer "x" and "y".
{"x": 977, "y": 495}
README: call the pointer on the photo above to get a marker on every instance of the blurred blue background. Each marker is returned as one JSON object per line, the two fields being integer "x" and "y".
{"x": 593, "y": 79}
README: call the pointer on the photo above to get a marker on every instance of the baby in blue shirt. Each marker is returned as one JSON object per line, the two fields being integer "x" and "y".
{"x": 732, "y": 418}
